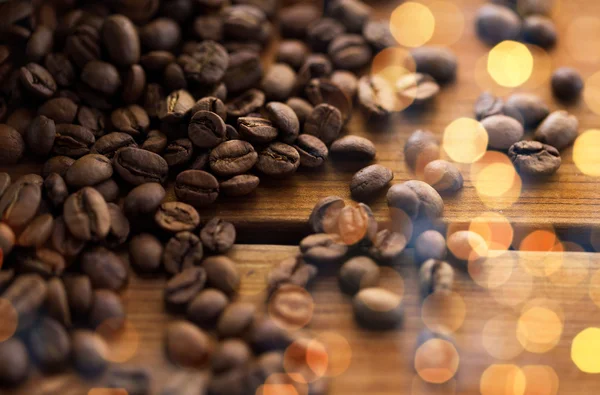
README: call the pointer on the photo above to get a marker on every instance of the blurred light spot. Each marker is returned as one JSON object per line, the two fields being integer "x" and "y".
{"x": 499, "y": 337}
{"x": 503, "y": 380}
{"x": 444, "y": 312}
{"x": 387, "y": 67}
{"x": 542, "y": 68}
{"x": 583, "y": 50}
{"x": 595, "y": 288}
{"x": 467, "y": 245}
{"x": 449, "y": 22}
{"x": 282, "y": 384}
{"x": 291, "y": 308}
{"x": 436, "y": 361}
{"x": 510, "y": 64}
{"x": 485, "y": 81}
{"x": 515, "y": 290}
{"x": 305, "y": 360}
{"x": 421, "y": 387}
{"x": 253, "y": 279}
{"x": 276, "y": 389}
{"x": 539, "y": 328}
{"x": 338, "y": 350}
{"x": 539, "y": 240}
{"x": 585, "y": 350}
{"x": 495, "y": 229}
{"x": 107, "y": 391}
{"x": 401, "y": 222}
{"x": 492, "y": 272}
{"x": 465, "y": 140}
{"x": 541, "y": 380}
{"x": 497, "y": 183}
{"x": 586, "y": 151}
{"x": 122, "y": 344}
{"x": 9, "y": 320}
{"x": 412, "y": 24}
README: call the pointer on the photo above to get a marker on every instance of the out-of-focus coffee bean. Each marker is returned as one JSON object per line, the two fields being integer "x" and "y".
{"x": 121, "y": 40}
{"x": 530, "y": 107}
{"x": 378, "y": 309}
{"x": 567, "y": 84}
{"x": 57, "y": 302}
{"x": 236, "y": 319}
{"x": 416, "y": 88}
{"x": 145, "y": 252}
{"x": 57, "y": 164}
{"x": 377, "y": 97}
{"x": 230, "y": 354}
{"x": 26, "y": 294}
{"x": 184, "y": 286}
{"x": 325, "y": 214}
{"x": 467, "y": 245}
{"x": 246, "y": 103}
{"x": 183, "y": 251}
{"x": 132, "y": 120}
{"x": 38, "y": 81}
{"x": 421, "y": 148}
{"x": 416, "y": 199}
{"x": 496, "y": 23}
{"x": 20, "y": 119}
{"x": 4, "y": 182}
{"x": 160, "y": 34}
{"x": 89, "y": 170}
{"x": 144, "y": 200}
{"x": 430, "y": 245}
{"x": 155, "y": 142}
{"x": 292, "y": 52}
{"x": 387, "y": 246}
{"x": 369, "y": 181}
{"x": 134, "y": 83}
{"x": 324, "y": 122}
{"x": 79, "y": 294}
{"x": 321, "y": 91}
{"x": 323, "y": 248}
{"x": 37, "y": 232}
{"x": 349, "y": 51}
{"x": 279, "y": 82}
{"x": 187, "y": 345}
{"x": 101, "y": 76}
{"x": 40, "y": 135}
{"x": 50, "y": 345}
{"x": 135, "y": 381}
{"x": 43, "y": 261}
{"x": 105, "y": 269}
{"x": 357, "y": 273}
{"x": 73, "y": 140}
{"x": 438, "y": 62}
{"x": 444, "y": 176}
{"x": 107, "y": 309}
{"x": 206, "y": 307}
{"x": 222, "y": 273}
{"x": 89, "y": 353}
{"x": 435, "y": 276}
{"x": 20, "y": 203}
{"x": 244, "y": 71}
{"x": 63, "y": 241}
{"x": 295, "y": 19}
{"x": 346, "y": 81}
{"x": 539, "y": 30}
{"x": 315, "y": 66}
{"x": 61, "y": 69}
{"x": 13, "y": 146}
{"x": 218, "y": 235}
{"x": 353, "y": 148}
{"x": 60, "y": 110}
{"x": 559, "y": 129}
{"x": 378, "y": 35}
{"x": 351, "y": 13}
{"x": 14, "y": 362}
{"x": 534, "y": 159}
{"x": 177, "y": 217}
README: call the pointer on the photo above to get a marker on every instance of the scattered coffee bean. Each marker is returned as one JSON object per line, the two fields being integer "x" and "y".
{"x": 503, "y": 131}
{"x": 206, "y": 307}
{"x": 206, "y": 129}
{"x": 86, "y": 215}
{"x": 323, "y": 91}
{"x": 63, "y": 240}
{"x": 534, "y": 159}
{"x": 356, "y": 224}
{"x": 378, "y": 35}
{"x": 183, "y": 287}
{"x": 236, "y": 319}
{"x": 421, "y": 148}
{"x": 89, "y": 353}
{"x": 278, "y": 160}
{"x": 13, "y": 146}
{"x": 257, "y": 130}
{"x": 218, "y": 235}
{"x": 292, "y": 52}
{"x": 121, "y": 40}
{"x": 230, "y": 354}
{"x": 387, "y": 246}
{"x": 321, "y": 32}
{"x": 20, "y": 203}
{"x": 353, "y": 148}
{"x": 417, "y": 199}
{"x": 349, "y": 51}
{"x": 559, "y": 130}
{"x": 176, "y": 217}
{"x": 291, "y": 306}
{"x": 155, "y": 142}
{"x": 232, "y": 158}
{"x": 38, "y": 81}
{"x": 438, "y": 62}
{"x": 435, "y": 277}
{"x": 444, "y": 176}
{"x": 539, "y": 30}
{"x": 323, "y": 248}
{"x": 496, "y": 23}
{"x": 196, "y": 187}
{"x": 26, "y": 294}
{"x": 357, "y": 273}
{"x": 295, "y": 19}
{"x": 89, "y": 170}
{"x": 353, "y": 14}
{"x": 135, "y": 381}
{"x": 567, "y": 84}
{"x": 285, "y": 120}
{"x": 211, "y": 104}
{"x": 138, "y": 166}
{"x": 222, "y": 273}
{"x": 279, "y": 82}
{"x": 301, "y": 107}
{"x": 430, "y": 245}
{"x": 416, "y": 88}
{"x": 378, "y": 309}
{"x": 107, "y": 310}
{"x": 369, "y": 181}
{"x": 14, "y": 362}
{"x": 104, "y": 268}
{"x": 186, "y": 382}
{"x": 37, "y": 232}
{"x": 487, "y": 105}
{"x": 132, "y": 120}
{"x": 346, "y": 81}
{"x": 57, "y": 164}
{"x": 187, "y": 345}
{"x": 79, "y": 294}
{"x": 145, "y": 252}
{"x": 183, "y": 251}
{"x": 179, "y": 152}
{"x": 324, "y": 122}
{"x": 43, "y": 261}
{"x": 246, "y": 103}
{"x": 531, "y": 108}
{"x": 244, "y": 71}
{"x": 313, "y": 152}
{"x": 50, "y": 345}
{"x": 144, "y": 200}
{"x": 40, "y": 135}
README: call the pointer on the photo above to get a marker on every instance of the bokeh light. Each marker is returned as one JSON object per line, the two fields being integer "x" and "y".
{"x": 291, "y": 307}
{"x": 305, "y": 360}
{"x": 499, "y": 337}
{"x": 492, "y": 272}
{"x": 496, "y": 181}
{"x": 387, "y": 67}
{"x": 444, "y": 312}
{"x": 122, "y": 344}
{"x": 495, "y": 229}
{"x": 585, "y": 350}
{"x": 515, "y": 290}
{"x": 485, "y": 81}
{"x": 542, "y": 240}
{"x": 466, "y": 245}
{"x": 436, "y": 361}
{"x": 569, "y": 279}
{"x": 338, "y": 350}
{"x": 583, "y": 50}
{"x": 586, "y": 152}
{"x": 449, "y": 22}
{"x": 465, "y": 140}
{"x": 412, "y": 24}
{"x": 510, "y": 64}
{"x": 277, "y": 389}
{"x": 503, "y": 380}
{"x": 541, "y": 380}
{"x": 282, "y": 384}
{"x": 9, "y": 320}
{"x": 391, "y": 280}
{"x": 539, "y": 328}
{"x": 421, "y": 387}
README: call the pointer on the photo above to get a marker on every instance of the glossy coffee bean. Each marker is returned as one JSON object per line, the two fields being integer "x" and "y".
{"x": 278, "y": 160}
{"x": 236, "y": 319}
{"x": 377, "y": 97}
{"x": 121, "y": 40}
{"x": 321, "y": 32}
{"x": 134, "y": 83}
{"x": 353, "y": 148}
{"x": 178, "y": 152}
{"x": 357, "y": 273}
{"x": 101, "y": 76}
{"x": 222, "y": 273}
{"x": 295, "y": 19}
{"x": 443, "y": 176}
{"x": 435, "y": 276}
{"x": 59, "y": 109}
{"x": 323, "y": 248}
{"x": 145, "y": 253}
{"x": 567, "y": 84}
{"x": 176, "y": 106}
{"x": 378, "y": 309}
{"x": 106, "y": 310}
{"x": 285, "y": 120}
{"x": 232, "y": 158}
{"x": 176, "y": 217}
{"x": 26, "y": 294}
{"x": 137, "y": 166}
{"x": 206, "y": 307}
{"x": 314, "y": 66}
{"x": 13, "y": 146}
{"x": 86, "y": 215}
{"x": 50, "y": 345}
{"x": 319, "y": 91}
{"x": 156, "y": 142}
{"x": 206, "y": 129}
{"x": 20, "y": 203}
{"x": 14, "y": 362}
{"x": 503, "y": 131}
{"x": 250, "y": 101}
{"x": 349, "y": 51}
{"x": 37, "y": 81}
{"x": 89, "y": 353}
{"x": 183, "y": 287}
{"x": 89, "y": 170}
{"x": 531, "y": 108}
{"x": 534, "y": 159}
{"x": 73, "y": 140}
{"x": 218, "y": 235}
{"x": 37, "y": 232}
{"x": 40, "y": 135}
{"x": 369, "y": 181}
{"x": 539, "y": 30}
{"x": 292, "y": 52}
{"x": 244, "y": 71}
{"x": 187, "y": 345}
{"x": 196, "y": 187}
{"x": 346, "y": 81}
{"x": 417, "y": 199}
{"x": 430, "y": 245}
{"x": 387, "y": 246}
{"x": 105, "y": 269}
{"x": 243, "y": 21}
{"x": 132, "y": 120}
{"x": 240, "y": 185}
{"x": 279, "y": 82}
{"x": 438, "y": 62}
{"x": 313, "y": 152}
{"x": 211, "y": 104}
{"x": 257, "y": 130}
{"x": 144, "y": 200}
{"x": 109, "y": 144}
{"x": 496, "y": 23}
{"x": 324, "y": 122}
{"x": 559, "y": 129}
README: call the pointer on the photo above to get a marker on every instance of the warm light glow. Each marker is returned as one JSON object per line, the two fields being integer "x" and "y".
{"x": 465, "y": 140}
{"x": 444, "y": 312}
{"x": 579, "y": 49}
{"x": 305, "y": 360}
{"x": 586, "y": 152}
{"x": 495, "y": 229}
{"x": 497, "y": 183}
{"x": 436, "y": 361}
{"x": 585, "y": 350}
{"x": 412, "y": 24}
{"x": 515, "y": 290}
{"x": 291, "y": 308}
{"x": 510, "y": 64}
{"x": 338, "y": 350}
{"x": 499, "y": 337}
{"x": 539, "y": 329}
{"x": 485, "y": 81}
{"x": 542, "y": 68}
{"x": 541, "y": 380}
{"x": 449, "y": 22}
{"x": 420, "y": 387}
{"x": 122, "y": 344}
{"x": 503, "y": 380}
{"x": 282, "y": 384}
{"x": 276, "y": 389}
{"x": 492, "y": 272}
{"x": 391, "y": 280}
{"x": 466, "y": 245}
{"x": 9, "y": 320}
{"x": 388, "y": 66}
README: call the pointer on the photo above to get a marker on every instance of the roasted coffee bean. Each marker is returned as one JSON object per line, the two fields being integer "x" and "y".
{"x": 539, "y": 30}
{"x": 466, "y": 245}
{"x": 13, "y": 146}
{"x": 438, "y": 62}
{"x": 243, "y": 22}
{"x": 57, "y": 164}
{"x": 155, "y": 142}
{"x": 534, "y": 159}
{"x": 109, "y": 144}
{"x": 241, "y": 185}
{"x": 206, "y": 307}
{"x": 430, "y": 245}
{"x": 211, "y": 104}
{"x": 377, "y": 97}
{"x": 187, "y": 345}
{"x": 531, "y": 108}
{"x": 20, "y": 119}
{"x": 378, "y": 309}
{"x": 101, "y": 76}
{"x": 567, "y": 84}
{"x": 278, "y": 160}
{"x": 257, "y": 130}
{"x": 135, "y": 381}
{"x": 208, "y": 64}
{"x": 26, "y": 294}
{"x": 218, "y": 235}
{"x": 138, "y": 166}
{"x": 315, "y": 66}
{"x": 20, "y": 203}
{"x": 559, "y": 130}
{"x": 38, "y": 81}
{"x": 145, "y": 253}
{"x": 92, "y": 119}
{"x": 292, "y": 270}
{"x": 230, "y": 354}
{"x": 421, "y": 148}
{"x": 351, "y": 13}
{"x": 60, "y": 110}
{"x": 295, "y": 19}
{"x": 176, "y": 217}
{"x": 14, "y": 362}
{"x": 416, "y": 88}
{"x": 378, "y": 35}
{"x": 324, "y": 122}
{"x": 503, "y": 131}
{"x": 6, "y": 277}
{"x": 152, "y": 99}
{"x": 73, "y": 140}
{"x": 119, "y": 226}
{"x": 244, "y": 71}
{"x": 369, "y": 181}
{"x": 50, "y": 345}
{"x": 321, "y": 91}
{"x": 232, "y": 158}
{"x": 196, "y": 187}
{"x": 132, "y": 120}
{"x": 358, "y": 273}
{"x": 443, "y": 176}
{"x": 61, "y": 69}
{"x": 435, "y": 277}
{"x": 107, "y": 310}
{"x": 183, "y": 251}
{"x": 236, "y": 319}
{"x": 157, "y": 61}
{"x": 4, "y": 183}
{"x": 285, "y": 120}
{"x": 222, "y": 273}
{"x": 206, "y": 129}
{"x": 325, "y": 214}
{"x": 266, "y": 335}
{"x": 40, "y": 135}
{"x": 356, "y": 224}
{"x": 178, "y": 152}
{"x": 121, "y": 40}
{"x": 291, "y": 306}
{"x": 160, "y": 34}
{"x": 487, "y": 105}
{"x": 86, "y": 215}
{"x": 63, "y": 241}
{"x": 496, "y": 23}
{"x": 79, "y": 294}
{"x": 323, "y": 248}
{"x": 184, "y": 286}
{"x": 176, "y": 106}
{"x": 89, "y": 170}
{"x": 416, "y": 199}
{"x": 353, "y": 148}
{"x": 37, "y": 232}
{"x": 292, "y": 52}
{"x": 174, "y": 77}
{"x": 57, "y": 302}
{"x": 89, "y": 353}
{"x": 248, "y": 102}
{"x": 31, "y": 178}
{"x": 349, "y": 51}
{"x": 104, "y": 268}
{"x": 44, "y": 262}
{"x": 134, "y": 83}
{"x": 346, "y": 81}
{"x": 313, "y": 152}
{"x": 279, "y": 82}
{"x": 321, "y": 32}
{"x": 144, "y": 200}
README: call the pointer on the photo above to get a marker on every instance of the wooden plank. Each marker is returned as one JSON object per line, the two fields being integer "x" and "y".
{"x": 382, "y": 362}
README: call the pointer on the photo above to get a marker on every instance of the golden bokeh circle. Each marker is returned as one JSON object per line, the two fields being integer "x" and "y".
{"x": 499, "y": 337}
{"x": 503, "y": 380}
{"x": 465, "y": 140}
{"x": 510, "y": 64}
{"x": 449, "y": 22}
{"x": 421, "y": 387}
{"x": 583, "y": 50}
{"x": 436, "y": 361}
{"x": 495, "y": 180}
{"x": 585, "y": 350}
{"x": 338, "y": 350}
{"x": 541, "y": 380}
{"x": 586, "y": 152}
{"x": 508, "y": 294}
{"x": 539, "y": 329}
{"x": 444, "y": 312}
{"x": 492, "y": 272}
{"x": 495, "y": 229}
{"x": 305, "y": 360}
{"x": 412, "y": 24}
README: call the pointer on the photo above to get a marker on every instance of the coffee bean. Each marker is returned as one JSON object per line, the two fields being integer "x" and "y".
{"x": 92, "y": 119}
{"x": 218, "y": 235}
{"x": 278, "y": 160}
{"x": 184, "y": 286}
{"x": 495, "y": 23}
{"x": 157, "y": 61}
{"x": 101, "y": 76}
{"x": 377, "y": 97}
{"x": 145, "y": 252}
{"x": 176, "y": 106}
{"x": 174, "y": 78}
{"x": 295, "y": 19}
{"x": 61, "y": 69}
{"x": 57, "y": 303}
{"x": 155, "y": 142}
{"x": 539, "y": 30}
{"x": 435, "y": 277}
{"x": 121, "y": 40}
{"x": 63, "y": 241}
{"x": 20, "y": 203}
{"x": 236, "y": 319}
{"x": 42, "y": 261}
{"x": 421, "y": 148}
{"x": 119, "y": 226}
{"x": 152, "y": 99}
{"x": 378, "y": 35}
{"x": 291, "y": 306}
{"x": 89, "y": 170}
{"x": 243, "y": 21}
{"x": 487, "y": 105}
{"x": 104, "y": 268}
{"x": 351, "y": 13}
{"x": 357, "y": 273}
{"x": 187, "y": 345}
{"x": 4, "y": 183}
{"x": 20, "y": 119}
{"x": 244, "y": 71}
{"x": 567, "y": 84}
{"x": 50, "y": 345}
{"x": 38, "y": 81}
{"x": 430, "y": 245}
{"x": 292, "y": 52}
{"x": 346, "y": 81}
{"x": 321, "y": 91}
{"x": 248, "y": 102}
{"x": 208, "y": 64}
{"x": 324, "y": 122}
{"x": 178, "y": 152}
{"x": 416, "y": 88}
{"x": 387, "y": 246}
{"x": 232, "y": 158}
{"x": 86, "y": 215}
{"x": 265, "y": 336}
{"x": 353, "y": 148}
{"x": 321, "y": 32}
{"x": 109, "y": 189}
{"x": 6, "y": 278}
{"x": 135, "y": 381}
{"x": 282, "y": 273}
{"x": 222, "y": 273}
{"x": 144, "y": 200}
{"x": 349, "y": 51}
{"x": 531, "y": 108}
{"x": 176, "y": 217}
{"x": 26, "y": 294}
{"x": 443, "y": 176}
{"x": 160, "y": 34}
{"x": 230, "y": 354}
{"x": 417, "y": 199}
{"x": 138, "y": 166}
{"x": 503, "y": 131}
{"x": 534, "y": 159}
{"x": 109, "y": 144}
{"x": 315, "y": 66}
{"x": 132, "y": 120}
{"x": 80, "y": 294}
{"x": 257, "y": 130}
{"x": 325, "y": 214}
{"x": 285, "y": 120}
{"x": 241, "y": 185}
{"x": 279, "y": 82}
{"x": 369, "y": 181}
{"x": 60, "y": 110}
{"x": 210, "y": 104}
{"x": 89, "y": 353}
{"x": 134, "y": 83}
{"x": 57, "y": 164}
{"x": 323, "y": 248}
{"x": 378, "y": 309}
{"x": 466, "y": 245}
{"x": 313, "y": 152}
{"x": 183, "y": 251}
{"x": 356, "y": 224}
{"x": 438, "y": 62}
{"x": 40, "y": 135}
{"x": 107, "y": 310}
{"x": 206, "y": 129}
{"x": 37, "y": 232}
{"x": 73, "y": 140}
{"x": 206, "y": 307}
{"x": 13, "y": 146}
{"x": 559, "y": 129}
{"x": 14, "y": 362}
{"x": 196, "y": 187}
